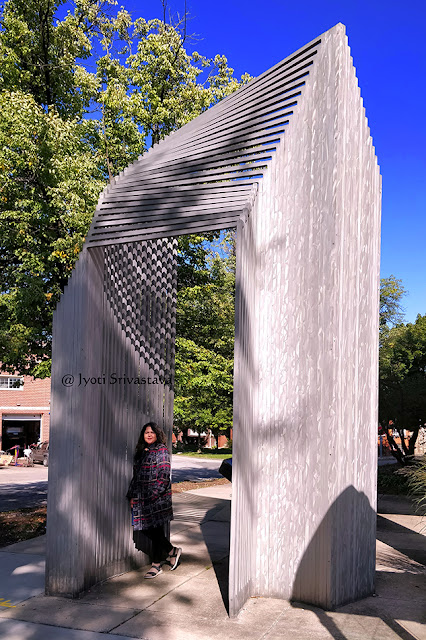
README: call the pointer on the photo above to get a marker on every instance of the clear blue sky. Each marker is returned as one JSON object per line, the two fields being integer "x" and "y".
{"x": 387, "y": 39}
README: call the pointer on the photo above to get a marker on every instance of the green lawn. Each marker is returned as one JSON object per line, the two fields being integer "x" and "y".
{"x": 220, "y": 454}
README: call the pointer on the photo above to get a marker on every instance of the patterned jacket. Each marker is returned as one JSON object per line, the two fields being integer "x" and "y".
{"x": 151, "y": 489}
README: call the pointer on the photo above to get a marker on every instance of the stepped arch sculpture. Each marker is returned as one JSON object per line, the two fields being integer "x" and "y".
{"x": 288, "y": 160}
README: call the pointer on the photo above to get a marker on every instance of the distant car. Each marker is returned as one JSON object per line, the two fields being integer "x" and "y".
{"x": 40, "y": 453}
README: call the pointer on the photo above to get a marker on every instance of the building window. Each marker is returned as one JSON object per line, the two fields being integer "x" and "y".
{"x": 11, "y": 382}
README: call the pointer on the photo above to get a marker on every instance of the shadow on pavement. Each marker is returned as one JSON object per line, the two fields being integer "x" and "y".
{"x": 399, "y": 600}
{"x": 216, "y": 533}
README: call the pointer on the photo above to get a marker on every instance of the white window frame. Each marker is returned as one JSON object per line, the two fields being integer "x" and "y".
{"x": 10, "y": 381}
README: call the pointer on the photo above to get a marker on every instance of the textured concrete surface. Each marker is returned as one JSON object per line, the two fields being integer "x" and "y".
{"x": 191, "y": 602}
{"x": 18, "y": 630}
{"x": 23, "y": 487}
{"x": 22, "y": 576}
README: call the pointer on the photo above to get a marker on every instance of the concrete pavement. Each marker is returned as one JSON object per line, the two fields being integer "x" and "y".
{"x": 194, "y": 469}
{"x": 190, "y": 603}
{"x": 22, "y": 487}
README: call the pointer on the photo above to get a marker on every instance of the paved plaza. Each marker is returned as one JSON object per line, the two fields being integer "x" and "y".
{"x": 191, "y": 602}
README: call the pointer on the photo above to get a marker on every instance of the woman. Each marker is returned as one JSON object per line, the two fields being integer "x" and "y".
{"x": 150, "y": 495}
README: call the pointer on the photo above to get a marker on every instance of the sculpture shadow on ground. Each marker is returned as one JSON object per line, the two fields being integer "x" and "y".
{"x": 215, "y": 529}
{"x": 396, "y": 595}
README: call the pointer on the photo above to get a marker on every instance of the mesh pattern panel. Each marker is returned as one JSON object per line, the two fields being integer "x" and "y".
{"x": 140, "y": 281}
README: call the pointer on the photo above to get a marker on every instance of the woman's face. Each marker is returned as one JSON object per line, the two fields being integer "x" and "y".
{"x": 149, "y": 436}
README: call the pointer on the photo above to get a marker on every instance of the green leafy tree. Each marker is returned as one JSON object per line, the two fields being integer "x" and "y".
{"x": 149, "y": 85}
{"x": 50, "y": 171}
{"x": 48, "y": 187}
{"x": 205, "y": 330}
{"x": 205, "y": 310}
{"x": 402, "y": 384}
{"x": 204, "y": 384}
{"x": 39, "y": 52}
{"x": 391, "y": 310}
{"x": 71, "y": 119}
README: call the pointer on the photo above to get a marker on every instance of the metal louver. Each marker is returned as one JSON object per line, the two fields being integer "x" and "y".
{"x": 203, "y": 176}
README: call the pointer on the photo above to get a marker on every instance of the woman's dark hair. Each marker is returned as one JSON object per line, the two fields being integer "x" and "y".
{"x": 141, "y": 444}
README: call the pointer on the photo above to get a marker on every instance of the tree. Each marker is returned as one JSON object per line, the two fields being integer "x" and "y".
{"x": 391, "y": 311}
{"x": 206, "y": 308}
{"x": 205, "y": 330}
{"x": 39, "y": 52}
{"x": 204, "y": 389}
{"x": 66, "y": 130}
{"x": 48, "y": 188}
{"x": 50, "y": 174}
{"x": 402, "y": 364}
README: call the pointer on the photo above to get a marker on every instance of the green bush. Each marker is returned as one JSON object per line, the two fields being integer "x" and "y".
{"x": 415, "y": 476}
{"x": 392, "y": 479}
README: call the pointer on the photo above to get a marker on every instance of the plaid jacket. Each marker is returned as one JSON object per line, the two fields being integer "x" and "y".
{"x": 151, "y": 488}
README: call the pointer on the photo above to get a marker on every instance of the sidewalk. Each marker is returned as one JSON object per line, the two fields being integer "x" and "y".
{"x": 189, "y": 603}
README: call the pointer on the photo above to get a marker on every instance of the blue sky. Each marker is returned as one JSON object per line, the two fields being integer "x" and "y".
{"x": 387, "y": 40}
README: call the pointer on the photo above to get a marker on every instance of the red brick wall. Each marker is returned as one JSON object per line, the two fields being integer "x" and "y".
{"x": 33, "y": 398}
{"x": 35, "y": 393}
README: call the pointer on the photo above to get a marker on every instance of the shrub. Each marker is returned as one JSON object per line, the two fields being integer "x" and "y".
{"x": 416, "y": 479}
{"x": 390, "y": 479}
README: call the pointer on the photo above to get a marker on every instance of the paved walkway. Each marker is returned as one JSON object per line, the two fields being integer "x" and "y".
{"x": 27, "y": 486}
{"x": 189, "y": 603}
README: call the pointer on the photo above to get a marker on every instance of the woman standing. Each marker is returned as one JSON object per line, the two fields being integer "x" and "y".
{"x": 150, "y": 495}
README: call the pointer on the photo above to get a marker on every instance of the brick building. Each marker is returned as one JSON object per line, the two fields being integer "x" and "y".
{"x": 24, "y": 410}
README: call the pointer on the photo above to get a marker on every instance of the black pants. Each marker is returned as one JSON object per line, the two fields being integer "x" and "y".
{"x": 161, "y": 545}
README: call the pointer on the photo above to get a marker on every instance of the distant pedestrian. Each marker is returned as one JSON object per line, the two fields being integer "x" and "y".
{"x": 28, "y": 456}
{"x": 150, "y": 495}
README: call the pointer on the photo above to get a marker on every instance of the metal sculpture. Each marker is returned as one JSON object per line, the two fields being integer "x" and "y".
{"x": 288, "y": 160}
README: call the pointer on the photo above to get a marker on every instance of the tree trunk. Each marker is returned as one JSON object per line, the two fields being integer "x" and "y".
{"x": 395, "y": 450}
{"x": 403, "y": 443}
{"x": 412, "y": 441}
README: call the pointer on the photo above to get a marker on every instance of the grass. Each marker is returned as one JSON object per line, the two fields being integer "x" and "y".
{"x": 209, "y": 454}
{"x": 24, "y": 524}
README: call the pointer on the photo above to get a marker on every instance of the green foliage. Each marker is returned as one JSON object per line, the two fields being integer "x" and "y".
{"x": 203, "y": 388}
{"x": 71, "y": 119}
{"x": 402, "y": 382}
{"x": 390, "y": 480}
{"x": 48, "y": 189}
{"x": 38, "y": 53}
{"x": 205, "y": 309}
{"x": 403, "y": 374}
{"x": 391, "y": 311}
{"x": 416, "y": 479}
{"x": 192, "y": 259}
{"x": 205, "y": 330}
{"x": 205, "y": 453}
